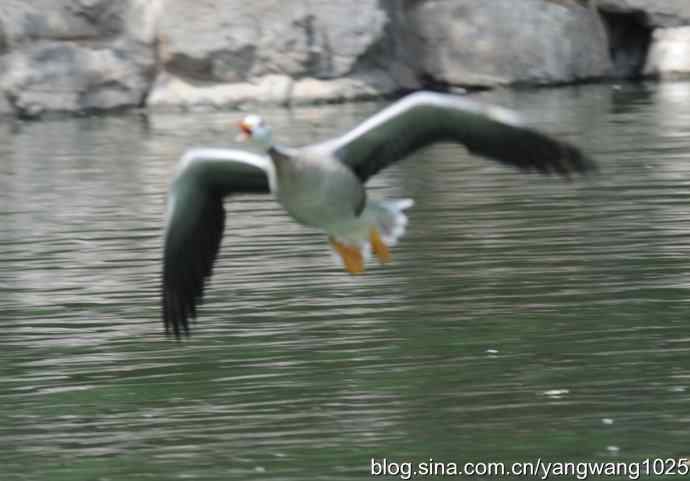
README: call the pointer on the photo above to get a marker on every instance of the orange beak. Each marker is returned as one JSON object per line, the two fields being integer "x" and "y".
{"x": 245, "y": 132}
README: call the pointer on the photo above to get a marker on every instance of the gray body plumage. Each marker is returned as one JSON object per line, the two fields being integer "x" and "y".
{"x": 315, "y": 190}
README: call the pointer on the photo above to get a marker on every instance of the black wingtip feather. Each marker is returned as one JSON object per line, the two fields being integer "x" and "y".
{"x": 187, "y": 264}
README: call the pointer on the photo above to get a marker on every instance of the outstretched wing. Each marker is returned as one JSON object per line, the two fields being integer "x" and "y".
{"x": 195, "y": 223}
{"x": 423, "y": 118}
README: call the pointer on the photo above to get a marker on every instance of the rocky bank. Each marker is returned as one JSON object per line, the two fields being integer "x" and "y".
{"x": 82, "y": 55}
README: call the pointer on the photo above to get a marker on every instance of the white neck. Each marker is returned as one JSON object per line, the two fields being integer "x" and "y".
{"x": 262, "y": 137}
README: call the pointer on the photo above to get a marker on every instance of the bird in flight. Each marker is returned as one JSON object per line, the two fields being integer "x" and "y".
{"x": 322, "y": 185}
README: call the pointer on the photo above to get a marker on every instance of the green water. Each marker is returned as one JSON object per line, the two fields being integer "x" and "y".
{"x": 522, "y": 318}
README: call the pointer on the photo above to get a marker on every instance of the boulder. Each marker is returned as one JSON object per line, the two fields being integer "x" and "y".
{"x": 669, "y": 54}
{"x": 224, "y": 53}
{"x": 60, "y": 20}
{"x": 480, "y": 43}
{"x": 64, "y": 77}
{"x": 235, "y": 40}
{"x": 77, "y": 55}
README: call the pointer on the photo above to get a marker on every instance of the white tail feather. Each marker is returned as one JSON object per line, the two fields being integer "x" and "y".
{"x": 389, "y": 218}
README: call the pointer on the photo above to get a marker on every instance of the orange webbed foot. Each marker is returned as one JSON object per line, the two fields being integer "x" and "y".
{"x": 352, "y": 256}
{"x": 378, "y": 247}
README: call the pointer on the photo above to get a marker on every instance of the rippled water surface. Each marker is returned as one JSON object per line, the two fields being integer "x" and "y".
{"x": 523, "y": 317}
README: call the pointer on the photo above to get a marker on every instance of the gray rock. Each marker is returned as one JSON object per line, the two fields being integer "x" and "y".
{"x": 314, "y": 91}
{"x": 142, "y": 19}
{"x": 669, "y": 54}
{"x": 77, "y": 55}
{"x": 223, "y": 52}
{"x": 479, "y": 43}
{"x": 171, "y": 92}
{"x": 77, "y": 20}
{"x": 230, "y": 53}
{"x": 57, "y": 76}
{"x": 236, "y": 40}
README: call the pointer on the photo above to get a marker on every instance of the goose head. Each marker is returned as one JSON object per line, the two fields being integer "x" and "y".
{"x": 255, "y": 128}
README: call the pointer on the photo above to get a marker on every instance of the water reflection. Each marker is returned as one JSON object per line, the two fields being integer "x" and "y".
{"x": 522, "y": 317}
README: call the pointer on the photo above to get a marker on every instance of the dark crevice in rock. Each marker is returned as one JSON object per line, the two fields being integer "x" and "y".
{"x": 393, "y": 53}
{"x": 149, "y": 68}
{"x": 372, "y": 59}
{"x": 233, "y": 65}
{"x": 3, "y": 39}
{"x": 314, "y": 63}
{"x": 106, "y": 16}
{"x": 327, "y": 64}
{"x": 91, "y": 100}
{"x": 630, "y": 37}
{"x": 220, "y": 66}
{"x": 429, "y": 82}
{"x": 189, "y": 67}
{"x": 375, "y": 63}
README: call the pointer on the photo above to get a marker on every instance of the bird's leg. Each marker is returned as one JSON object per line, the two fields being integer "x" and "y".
{"x": 351, "y": 256}
{"x": 378, "y": 247}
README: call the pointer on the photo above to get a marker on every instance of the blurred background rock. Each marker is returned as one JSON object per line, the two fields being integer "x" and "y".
{"x": 82, "y": 55}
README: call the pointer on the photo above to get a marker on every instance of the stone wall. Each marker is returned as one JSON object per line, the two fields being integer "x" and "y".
{"x": 81, "y": 55}
{"x": 76, "y": 55}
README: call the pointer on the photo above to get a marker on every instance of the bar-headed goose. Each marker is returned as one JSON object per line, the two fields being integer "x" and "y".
{"x": 322, "y": 185}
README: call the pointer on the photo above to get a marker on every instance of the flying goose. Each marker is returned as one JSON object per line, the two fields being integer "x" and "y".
{"x": 322, "y": 185}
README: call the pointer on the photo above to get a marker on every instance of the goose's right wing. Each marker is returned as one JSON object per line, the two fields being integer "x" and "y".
{"x": 195, "y": 222}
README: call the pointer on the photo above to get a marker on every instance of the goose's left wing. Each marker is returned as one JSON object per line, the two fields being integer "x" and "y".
{"x": 423, "y": 118}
